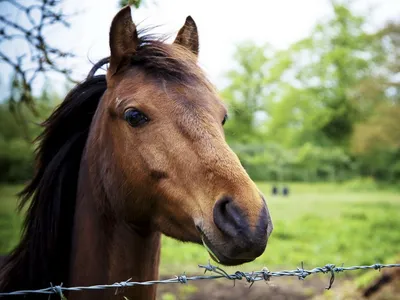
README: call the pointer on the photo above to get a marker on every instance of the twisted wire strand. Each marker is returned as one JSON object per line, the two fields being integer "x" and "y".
{"x": 250, "y": 277}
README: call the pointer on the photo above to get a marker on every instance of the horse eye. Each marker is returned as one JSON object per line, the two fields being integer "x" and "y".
{"x": 224, "y": 120}
{"x": 135, "y": 117}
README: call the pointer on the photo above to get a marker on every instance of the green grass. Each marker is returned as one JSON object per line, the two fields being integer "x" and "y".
{"x": 316, "y": 224}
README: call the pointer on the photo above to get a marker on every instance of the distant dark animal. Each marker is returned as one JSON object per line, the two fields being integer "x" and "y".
{"x": 285, "y": 191}
{"x": 275, "y": 190}
{"x": 126, "y": 157}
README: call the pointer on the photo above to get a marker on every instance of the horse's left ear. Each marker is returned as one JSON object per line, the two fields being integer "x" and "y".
{"x": 188, "y": 36}
{"x": 123, "y": 39}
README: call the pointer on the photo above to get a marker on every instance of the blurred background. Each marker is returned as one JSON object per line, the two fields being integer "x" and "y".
{"x": 313, "y": 90}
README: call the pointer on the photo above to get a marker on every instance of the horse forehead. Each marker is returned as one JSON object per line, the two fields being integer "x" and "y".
{"x": 197, "y": 98}
{"x": 190, "y": 96}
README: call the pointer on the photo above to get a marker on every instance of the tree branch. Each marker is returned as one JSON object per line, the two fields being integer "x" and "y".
{"x": 43, "y": 57}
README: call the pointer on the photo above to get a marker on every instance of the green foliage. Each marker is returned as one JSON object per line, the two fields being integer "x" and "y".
{"x": 246, "y": 97}
{"x": 326, "y": 108}
{"x": 135, "y": 3}
{"x": 19, "y": 126}
{"x": 271, "y": 161}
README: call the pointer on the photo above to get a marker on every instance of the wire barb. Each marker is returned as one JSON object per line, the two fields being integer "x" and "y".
{"x": 57, "y": 289}
{"x": 208, "y": 267}
{"x": 218, "y": 273}
{"x": 330, "y": 268}
{"x": 182, "y": 279}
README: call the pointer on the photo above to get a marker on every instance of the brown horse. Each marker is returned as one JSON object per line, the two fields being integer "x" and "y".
{"x": 129, "y": 156}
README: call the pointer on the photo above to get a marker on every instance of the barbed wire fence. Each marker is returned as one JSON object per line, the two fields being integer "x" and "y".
{"x": 250, "y": 277}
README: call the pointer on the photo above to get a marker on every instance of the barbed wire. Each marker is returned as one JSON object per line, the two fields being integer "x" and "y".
{"x": 250, "y": 277}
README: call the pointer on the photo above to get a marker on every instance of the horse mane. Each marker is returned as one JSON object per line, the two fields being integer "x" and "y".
{"x": 170, "y": 62}
{"x": 43, "y": 255}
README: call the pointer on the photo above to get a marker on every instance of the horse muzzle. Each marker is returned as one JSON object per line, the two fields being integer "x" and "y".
{"x": 232, "y": 240}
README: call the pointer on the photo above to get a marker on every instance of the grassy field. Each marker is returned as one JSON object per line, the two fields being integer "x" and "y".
{"x": 316, "y": 224}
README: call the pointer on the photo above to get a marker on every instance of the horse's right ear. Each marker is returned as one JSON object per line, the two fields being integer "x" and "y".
{"x": 123, "y": 40}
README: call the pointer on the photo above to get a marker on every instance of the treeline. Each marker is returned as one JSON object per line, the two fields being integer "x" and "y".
{"x": 326, "y": 108}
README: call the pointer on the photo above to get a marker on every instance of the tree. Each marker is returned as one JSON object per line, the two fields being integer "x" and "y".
{"x": 390, "y": 39}
{"x": 331, "y": 100}
{"x": 135, "y": 3}
{"x": 376, "y": 138}
{"x": 336, "y": 78}
{"x": 252, "y": 85}
{"x": 35, "y": 17}
{"x": 338, "y": 57}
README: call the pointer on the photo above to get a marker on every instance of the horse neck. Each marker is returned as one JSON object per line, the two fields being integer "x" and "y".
{"x": 107, "y": 250}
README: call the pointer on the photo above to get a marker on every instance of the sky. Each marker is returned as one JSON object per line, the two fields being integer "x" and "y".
{"x": 221, "y": 24}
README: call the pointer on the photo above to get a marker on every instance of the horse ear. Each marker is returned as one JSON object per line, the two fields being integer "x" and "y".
{"x": 188, "y": 36}
{"x": 123, "y": 39}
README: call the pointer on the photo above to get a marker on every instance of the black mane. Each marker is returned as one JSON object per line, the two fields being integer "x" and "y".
{"x": 42, "y": 255}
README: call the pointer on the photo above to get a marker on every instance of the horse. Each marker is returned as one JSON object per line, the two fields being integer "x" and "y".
{"x": 128, "y": 156}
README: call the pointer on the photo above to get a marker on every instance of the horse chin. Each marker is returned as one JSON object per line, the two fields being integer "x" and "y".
{"x": 217, "y": 254}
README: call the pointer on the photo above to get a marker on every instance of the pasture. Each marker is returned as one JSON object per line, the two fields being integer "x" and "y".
{"x": 353, "y": 223}
{"x": 316, "y": 224}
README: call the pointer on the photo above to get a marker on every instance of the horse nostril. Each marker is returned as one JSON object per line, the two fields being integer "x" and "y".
{"x": 228, "y": 218}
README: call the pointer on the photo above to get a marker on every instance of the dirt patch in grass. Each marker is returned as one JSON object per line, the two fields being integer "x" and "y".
{"x": 277, "y": 289}
{"x": 344, "y": 288}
